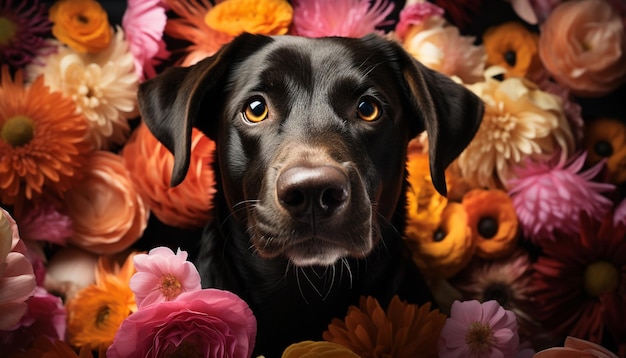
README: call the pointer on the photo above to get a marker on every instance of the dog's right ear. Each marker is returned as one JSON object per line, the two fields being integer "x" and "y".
{"x": 172, "y": 102}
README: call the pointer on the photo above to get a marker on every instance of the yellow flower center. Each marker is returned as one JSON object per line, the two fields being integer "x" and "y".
{"x": 7, "y": 30}
{"x": 479, "y": 338}
{"x": 18, "y": 130}
{"x": 601, "y": 277}
{"x": 170, "y": 286}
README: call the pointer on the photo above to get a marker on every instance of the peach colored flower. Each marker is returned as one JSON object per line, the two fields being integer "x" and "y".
{"x": 108, "y": 214}
{"x": 583, "y": 45}
{"x": 266, "y": 17}
{"x": 576, "y": 348}
{"x": 188, "y": 205}
{"x": 69, "y": 270}
{"x": 81, "y": 24}
{"x": 440, "y": 46}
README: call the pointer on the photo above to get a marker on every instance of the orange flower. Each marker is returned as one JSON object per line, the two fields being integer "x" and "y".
{"x": 404, "y": 330}
{"x": 310, "y": 349}
{"x": 448, "y": 250}
{"x": 107, "y": 213}
{"x": 493, "y": 222}
{"x": 605, "y": 138}
{"x": 576, "y": 348}
{"x": 81, "y": 24}
{"x": 189, "y": 26}
{"x": 513, "y": 47}
{"x": 582, "y": 44}
{"x": 42, "y": 140}
{"x": 266, "y": 17}
{"x": 97, "y": 311}
{"x": 44, "y": 347}
{"x": 150, "y": 164}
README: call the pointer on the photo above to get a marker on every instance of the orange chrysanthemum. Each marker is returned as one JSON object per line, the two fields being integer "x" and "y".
{"x": 150, "y": 164}
{"x": 42, "y": 143}
{"x": 266, "y": 17}
{"x": 404, "y": 330}
{"x": 97, "y": 311}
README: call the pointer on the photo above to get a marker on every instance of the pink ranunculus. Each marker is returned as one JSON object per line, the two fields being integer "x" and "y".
{"x": 45, "y": 223}
{"x": 162, "y": 276}
{"x": 205, "y": 323}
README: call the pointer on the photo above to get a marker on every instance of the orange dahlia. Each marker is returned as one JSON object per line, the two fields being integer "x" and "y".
{"x": 42, "y": 140}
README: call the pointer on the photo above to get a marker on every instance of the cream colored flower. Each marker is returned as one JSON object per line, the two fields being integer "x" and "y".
{"x": 440, "y": 46}
{"x": 520, "y": 122}
{"x": 103, "y": 85}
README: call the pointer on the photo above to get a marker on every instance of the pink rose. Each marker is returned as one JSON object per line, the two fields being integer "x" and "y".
{"x": 204, "y": 323}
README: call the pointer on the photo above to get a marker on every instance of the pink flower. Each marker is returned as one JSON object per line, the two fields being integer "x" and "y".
{"x": 414, "y": 15}
{"x": 619, "y": 217}
{"x": 163, "y": 276}
{"x": 17, "y": 280}
{"x": 477, "y": 329}
{"x": 348, "y": 18}
{"x": 204, "y": 323}
{"x": 551, "y": 197}
{"x": 144, "y": 22}
{"x": 45, "y": 223}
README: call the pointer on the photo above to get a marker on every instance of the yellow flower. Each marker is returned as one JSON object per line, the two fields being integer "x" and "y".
{"x": 266, "y": 17}
{"x": 81, "y": 24}
{"x": 403, "y": 330}
{"x": 311, "y": 349}
{"x": 512, "y": 47}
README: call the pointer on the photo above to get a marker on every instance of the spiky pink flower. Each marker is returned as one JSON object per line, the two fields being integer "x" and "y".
{"x": 550, "y": 197}
{"x": 347, "y": 18}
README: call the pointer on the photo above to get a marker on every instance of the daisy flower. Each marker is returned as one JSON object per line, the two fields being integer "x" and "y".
{"x": 347, "y": 18}
{"x": 42, "y": 142}
{"x": 550, "y": 197}
{"x": 24, "y": 27}
{"x": 103, "y": 86}
{"x": 403, "y": 330}
{"x": 162, "y": 276}
{"x": 477, "y": 329}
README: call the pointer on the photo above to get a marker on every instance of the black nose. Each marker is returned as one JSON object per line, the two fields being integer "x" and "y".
{"x": 318, "y": 190}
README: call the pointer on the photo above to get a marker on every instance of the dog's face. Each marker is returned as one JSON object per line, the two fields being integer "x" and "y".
{"x": 311, "y": 135}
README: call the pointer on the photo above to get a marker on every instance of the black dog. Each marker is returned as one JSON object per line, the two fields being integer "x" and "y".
{"x": 311, "y": 147}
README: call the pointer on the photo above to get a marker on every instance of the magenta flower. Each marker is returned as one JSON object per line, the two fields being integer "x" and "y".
{"x": 347, "y": 18}
{"x": 551, "y": 197}
{"x": 414, "y": 15}
{"x": 144, "y": 22}
{"x": 477, "y": 329}
{"x": 205, "y": 323}
{"x": 619, "y": 217}
{"x": 162, "y": 276}
{"x": 45, "y": 223}
{"x": 24, "y": 27}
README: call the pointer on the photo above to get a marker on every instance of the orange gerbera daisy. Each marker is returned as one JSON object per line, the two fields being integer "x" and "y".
{"x": 96, "y": 312}
{"x": 42, "y": 140}
{"x": 404, "y": 330}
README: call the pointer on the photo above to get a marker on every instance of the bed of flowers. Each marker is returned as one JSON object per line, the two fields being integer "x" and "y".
{"x": 526, "y": 256}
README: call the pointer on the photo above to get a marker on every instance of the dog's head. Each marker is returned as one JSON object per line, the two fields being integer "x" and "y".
{"x": 311, "y": 135}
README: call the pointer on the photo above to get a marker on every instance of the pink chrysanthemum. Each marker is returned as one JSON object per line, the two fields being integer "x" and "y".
{"x": 163, "y": 276}
{"x": 45, "y": 223}
{"x": 23, "y": 30}
{"x": 477, "y": 329}
{"x": 551, "y": 197}
{"x": 144, "y": 22}
{"x": 348, "y": 18}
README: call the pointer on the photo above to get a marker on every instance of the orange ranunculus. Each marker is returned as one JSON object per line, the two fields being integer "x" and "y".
{"x": 188, "y": 205}
{"x": 583, "y": 45}
{"x": 108, "y": 215}
{"x": 493, "y": 222}
{"x": 512, "y": 47}
{"x": 605, "y": 138}
{"x": 81, "y": 24}
{"x": 265, "y": 17}
{"x": 321, "y": 349}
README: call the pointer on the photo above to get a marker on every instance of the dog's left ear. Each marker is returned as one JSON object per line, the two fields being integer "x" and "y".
{"x": 450, "y": 113}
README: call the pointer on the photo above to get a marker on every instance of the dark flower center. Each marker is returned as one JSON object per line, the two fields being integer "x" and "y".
{"x": 499, "y": 292}
{"x": 439, "y": 235}
{"x": 487, "y": 227}
{"x": 102, "y": 316}
{"x": 185, "y": 349}
{"x": 603, "y": 148}
{"x": 601, "y": 277}
{"x": 18, "y": 130}
{"x": 82, "y": 19}
{"x": 479, "y": 338}
{"x": 511, "y": 58}
{"x": 7, "y": 30}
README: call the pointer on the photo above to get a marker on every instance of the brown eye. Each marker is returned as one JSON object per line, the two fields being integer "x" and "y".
{"x": 368, "y": 110}
{"x": 256, "y": 110}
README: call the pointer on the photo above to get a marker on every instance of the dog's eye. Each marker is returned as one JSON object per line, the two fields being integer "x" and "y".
{"x": 368, "y": 110}
{"x": 256, "y": 110}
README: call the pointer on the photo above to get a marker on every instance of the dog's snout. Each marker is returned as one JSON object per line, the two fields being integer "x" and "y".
{"x": 319, "y": 190}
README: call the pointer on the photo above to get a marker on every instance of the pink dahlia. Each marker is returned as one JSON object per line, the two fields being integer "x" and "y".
{"x": 348, "y": 18}
{"x": 477, "y": 329}
{"x": 205, "y": 323}
{"x": 551, "y": 197}
{"x": 163, "y": 276}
